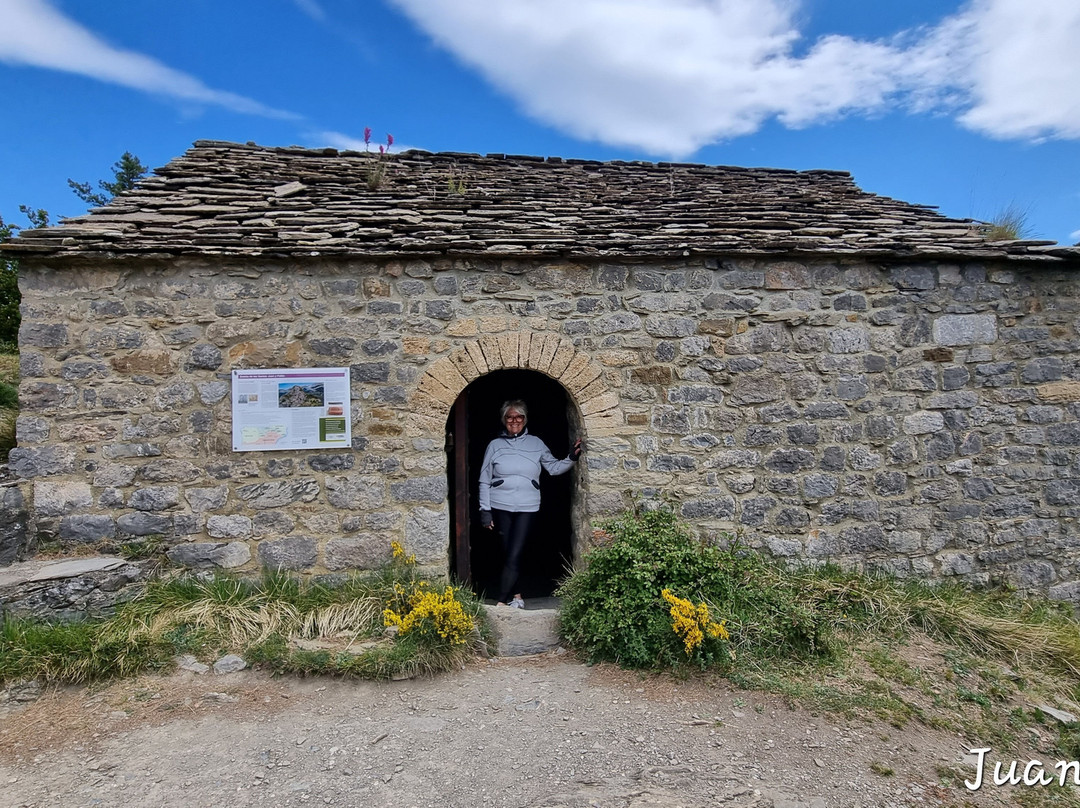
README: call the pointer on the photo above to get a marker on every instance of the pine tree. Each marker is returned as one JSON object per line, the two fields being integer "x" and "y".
{"x": 126, "y": 172}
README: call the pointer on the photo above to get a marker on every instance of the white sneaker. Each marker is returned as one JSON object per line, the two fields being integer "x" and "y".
{"x": 517, "y": 603}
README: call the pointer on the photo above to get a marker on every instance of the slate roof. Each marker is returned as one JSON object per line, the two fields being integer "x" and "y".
{"x": 246, "y": 200}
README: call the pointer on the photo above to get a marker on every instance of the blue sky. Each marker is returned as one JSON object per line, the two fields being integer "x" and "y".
{"x": 971, "y": 106}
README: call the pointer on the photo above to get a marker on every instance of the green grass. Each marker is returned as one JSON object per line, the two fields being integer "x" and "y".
{"x": 261, "y": 619}
{"x": 9, "y": 398}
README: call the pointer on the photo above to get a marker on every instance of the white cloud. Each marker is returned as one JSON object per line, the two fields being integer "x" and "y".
{"x": 37, "y": 35}
{"x": 1075, "y": 235}
{"x": 1023, "y": 68}
{"x": 340, "y": 140}
{"x": 670, "y": 76}
{"x": 312, "y": 9}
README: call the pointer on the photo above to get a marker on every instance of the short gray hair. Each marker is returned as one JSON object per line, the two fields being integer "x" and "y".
{"x": 513, "y": 404}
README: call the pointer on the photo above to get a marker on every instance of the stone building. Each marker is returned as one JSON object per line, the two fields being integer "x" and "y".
{"x": 830, "y": 374}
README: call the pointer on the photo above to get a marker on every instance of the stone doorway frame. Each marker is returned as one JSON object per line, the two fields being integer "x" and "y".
{"x": 598, "y": 408}
{"x": 469, "y": 429}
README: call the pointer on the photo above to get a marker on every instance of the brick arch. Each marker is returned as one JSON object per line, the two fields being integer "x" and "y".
{"x": 546, "y": 353}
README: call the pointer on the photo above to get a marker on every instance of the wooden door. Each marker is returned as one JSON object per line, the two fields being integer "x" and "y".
{"x": 462, "y": 510}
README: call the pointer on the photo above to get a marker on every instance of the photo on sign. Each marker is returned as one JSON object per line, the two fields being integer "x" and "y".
{"x": 301, "y": 395}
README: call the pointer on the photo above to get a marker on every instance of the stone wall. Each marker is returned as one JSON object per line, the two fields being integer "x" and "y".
{"x": 916, "y": 418}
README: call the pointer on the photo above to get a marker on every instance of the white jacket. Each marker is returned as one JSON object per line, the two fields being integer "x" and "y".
{"x": 510, "y": 475}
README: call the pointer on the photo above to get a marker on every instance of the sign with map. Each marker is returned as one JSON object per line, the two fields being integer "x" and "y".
{"x": 298, "y": 408}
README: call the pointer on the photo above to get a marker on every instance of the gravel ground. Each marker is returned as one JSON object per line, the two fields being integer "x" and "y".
{"x": 529, "y": 732}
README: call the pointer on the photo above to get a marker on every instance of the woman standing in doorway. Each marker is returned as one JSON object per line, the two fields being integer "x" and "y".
{"x": 510, "y": 489}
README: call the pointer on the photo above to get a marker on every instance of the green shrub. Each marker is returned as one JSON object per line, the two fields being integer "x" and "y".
{"x": 613, "y": 608}
{"x": 9, "y": 396}
{"x": 7, "y": 432}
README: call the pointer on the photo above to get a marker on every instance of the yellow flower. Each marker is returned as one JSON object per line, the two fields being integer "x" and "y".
{"x": 431, "y": 611}
{"x": 400, "y": 554}
{"x": 691, "y": 622}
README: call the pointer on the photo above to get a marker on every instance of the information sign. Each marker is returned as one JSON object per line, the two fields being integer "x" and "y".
{"x": 298, "y": 408}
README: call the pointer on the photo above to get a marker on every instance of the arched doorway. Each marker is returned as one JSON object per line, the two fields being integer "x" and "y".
{"x": 475, "y": 553}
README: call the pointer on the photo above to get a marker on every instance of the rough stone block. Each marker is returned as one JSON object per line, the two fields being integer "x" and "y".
{"x": 600, "y": 403}
{"x": 279, "y": 493}
{"x": 42, "y": 462}
{"x": 579, "y": 363}
{"x": 913, "y": 278}
{"x": 965, "y": 329}
{"x": 433, "y": 388}
{"x": 489, "y": 345}
{"x": 788, "y": 275}
{"x": 145, "y": 524}
{"x": 788, "y": 461}
{"x": 356, "y": 492}
{"x": 671, "y": 462}
{"x": 1063, "y": 492}
{"x": 59, "y": 498}
{"x": 1045, "y": 369}
{"x": 14, "y": 523}
{"x": 445, "y": 372}
{"x": 820, "y": 486}
{"x": 709, "y": 508}
{"x": 343, "y": 347}
{"x": 1059, "y": 392}
{"x": 465, "y": 327}
{"x": 561, "y": 359}
{"x": 865, "y": 538}
{"x": 233, "y": 526}
{"x": 365, "y": 551}
{"x": 956, "y": 563}
{"x": 206, "y": 499}
{"x": 508, "y": 349}
{"x": 165, "y": 470}
{"x": 521, "y": 632}
{"x": 1032, "y": 574}
{"x": 1069, "y": 591}
{"x": 420, "y": 489}
{"x": 289, "y": 553}
{"x": 464, "y": 364}
{"x": 922, "y": 423}
{"x": 536, "y": 352}
{"x": 157, "y": 362}
{"x": 272, "y": 523}
{"x": 331, "y": 462}
{"x": 617, "y": 322}
{"x": 208, "y": 555}
{"x": 43, "y": 335}
{"x": 427, "y": 535}
{"x": 212, "y": 392}
{"x": 669, "y": 326}
{"x": 849, "y": 340}
{"x": 155, "y": 498}
{"x": 756, "y": 388}
{"x": 87, "y": 528}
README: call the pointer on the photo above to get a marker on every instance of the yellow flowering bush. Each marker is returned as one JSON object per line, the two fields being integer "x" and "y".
{"x": 427, "y": 613}
{"x": 692, "y": 623}
{"x": 400, "y": 556}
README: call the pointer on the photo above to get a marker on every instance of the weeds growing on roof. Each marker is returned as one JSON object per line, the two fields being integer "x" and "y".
{"x": 1010, "y": 223}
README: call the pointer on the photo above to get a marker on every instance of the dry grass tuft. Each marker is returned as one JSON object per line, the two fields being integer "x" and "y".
{"x": 1010, "y": 224}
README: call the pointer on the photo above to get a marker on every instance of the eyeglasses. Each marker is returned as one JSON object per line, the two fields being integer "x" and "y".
{"x": 515, "y": 418}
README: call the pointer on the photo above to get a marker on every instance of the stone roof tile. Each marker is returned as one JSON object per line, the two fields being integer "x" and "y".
{"x": 241, "y": 199}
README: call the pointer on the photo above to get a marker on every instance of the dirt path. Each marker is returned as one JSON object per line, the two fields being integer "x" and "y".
{"x": 532, "y": 731}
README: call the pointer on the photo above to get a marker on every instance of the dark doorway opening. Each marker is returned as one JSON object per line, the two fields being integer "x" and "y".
{"x": 476, "y": 553}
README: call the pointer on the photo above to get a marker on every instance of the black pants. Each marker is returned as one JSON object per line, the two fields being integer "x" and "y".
{"x": 513, "y": 527}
